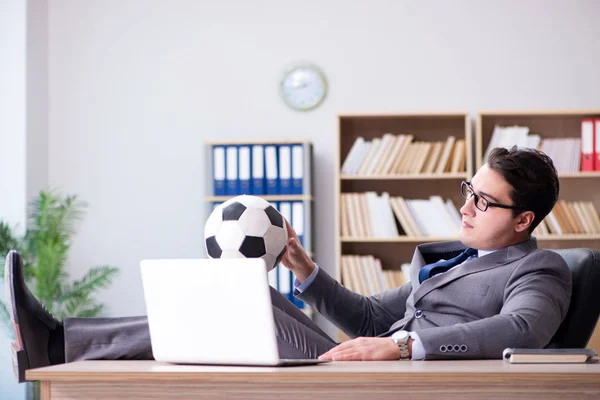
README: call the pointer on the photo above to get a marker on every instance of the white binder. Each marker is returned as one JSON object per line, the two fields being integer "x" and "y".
{"x": 231, "y": 170}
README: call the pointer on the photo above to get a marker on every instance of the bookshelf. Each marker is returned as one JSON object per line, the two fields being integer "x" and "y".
{"x": 293, "y": 199}
{"x": 574, "y": 186}
{"x": 424, "y": 127}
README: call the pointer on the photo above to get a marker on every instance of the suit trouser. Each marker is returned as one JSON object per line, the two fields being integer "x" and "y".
{"x": 128, "y": 338}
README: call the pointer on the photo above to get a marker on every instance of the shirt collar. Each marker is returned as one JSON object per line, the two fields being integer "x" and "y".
{"x": 481, "y": 253}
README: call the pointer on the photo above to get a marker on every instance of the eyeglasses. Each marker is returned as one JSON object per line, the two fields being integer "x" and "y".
{"x": 480, "y": 202}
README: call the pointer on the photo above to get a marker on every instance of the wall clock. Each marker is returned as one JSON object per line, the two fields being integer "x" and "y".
{"x": 303, "y": 87}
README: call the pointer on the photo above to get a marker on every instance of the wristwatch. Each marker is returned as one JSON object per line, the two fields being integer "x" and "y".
{"x": 401, "y": 339}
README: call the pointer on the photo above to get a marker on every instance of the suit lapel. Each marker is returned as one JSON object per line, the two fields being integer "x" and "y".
{"x": 431, "y": 252}
{"x": 493, "y": 260}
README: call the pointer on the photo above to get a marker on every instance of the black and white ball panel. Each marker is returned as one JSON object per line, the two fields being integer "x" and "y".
{"x": 233, "y": 211}
{"x": 212, "y": 247}
{"x": 246, "y": 226}
{"x": 274, "y": 216}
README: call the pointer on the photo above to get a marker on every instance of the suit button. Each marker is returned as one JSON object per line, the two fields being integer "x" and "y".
{"x": 418, "y": 314}
{"x": 463, "y": 348}
{"x": 443, "y": 348}
{"x": 456, "y": 348}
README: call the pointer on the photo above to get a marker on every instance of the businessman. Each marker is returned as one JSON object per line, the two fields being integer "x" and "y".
{"x": 467, "y": 299}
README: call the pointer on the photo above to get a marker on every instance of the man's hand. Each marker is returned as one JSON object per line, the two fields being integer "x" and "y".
{"x": 365, "y": 349}
{"x": 295, "y": 257}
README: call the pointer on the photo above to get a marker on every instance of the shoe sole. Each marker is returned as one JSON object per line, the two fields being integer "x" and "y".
{"x": 19, "y": 361}
{"x": 18, "y": 354}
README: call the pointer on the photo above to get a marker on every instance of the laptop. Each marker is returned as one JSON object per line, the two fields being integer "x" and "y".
{"x": 211, "y": 311}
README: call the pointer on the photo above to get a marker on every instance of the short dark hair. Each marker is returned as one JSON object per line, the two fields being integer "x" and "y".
{"x": 533, "y": 179}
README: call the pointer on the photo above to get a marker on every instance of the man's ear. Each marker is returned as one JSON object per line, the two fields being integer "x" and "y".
{"x": 524, "y": 220}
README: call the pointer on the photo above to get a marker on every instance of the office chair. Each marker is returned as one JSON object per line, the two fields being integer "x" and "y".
{"x": 582, "y": 316}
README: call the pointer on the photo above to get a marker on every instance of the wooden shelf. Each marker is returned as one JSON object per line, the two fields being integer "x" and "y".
{"x": 403, "y": 114}
{"x": 461, "y": 175}
{"x": 397, "y": 239}
{"x": 266, "y": 197}
{"x": 424, "y": 126}
{"x": 593, "y": 174}
{"x": 569, "y": 236}
{"x": 538, "y": 113}
{"x": 273, "y": 141}
{"x": 549, "y": 124}
{"x": 546, "y": 123}
{"x": 298, "y": 208}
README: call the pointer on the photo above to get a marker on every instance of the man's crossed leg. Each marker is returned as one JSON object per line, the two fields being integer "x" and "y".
{"x": 43, "y": 340}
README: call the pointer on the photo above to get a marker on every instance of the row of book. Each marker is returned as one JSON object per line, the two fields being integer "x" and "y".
{"x": 577, "y": 217}
{"x": 365, "y": 275}
{"x": 371, "y": 215}
{"x": 260, "y": 169}
{"x": 368, "y": 214}
{"x": 398, "y": 154}
{"x": 569, "y": 154}
{"x": 564, "y": 152}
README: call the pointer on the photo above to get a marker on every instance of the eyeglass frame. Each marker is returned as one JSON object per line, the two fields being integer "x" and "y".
{"x": 478, "y": 196}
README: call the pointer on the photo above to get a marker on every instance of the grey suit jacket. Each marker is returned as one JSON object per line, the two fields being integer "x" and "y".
{"x": 513, "y": 297}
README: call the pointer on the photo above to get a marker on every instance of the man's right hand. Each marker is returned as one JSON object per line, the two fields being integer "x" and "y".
{"x": 295, "y": 258}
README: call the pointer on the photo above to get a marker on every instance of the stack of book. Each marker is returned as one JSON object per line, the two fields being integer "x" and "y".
{"x": 365, "y": 275}
{"x": 509, "y": 136}
{"x": 569, "y": 154}
{"x": 398, "y": 154}
{"x": 573, "y": 217}
{"x": 368, "y": 214}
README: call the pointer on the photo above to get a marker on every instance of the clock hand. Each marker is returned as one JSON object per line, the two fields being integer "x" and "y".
{"x": 301, "y": 86}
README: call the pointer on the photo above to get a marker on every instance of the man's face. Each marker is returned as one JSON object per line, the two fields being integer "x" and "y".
{"x": 494, "y": 228}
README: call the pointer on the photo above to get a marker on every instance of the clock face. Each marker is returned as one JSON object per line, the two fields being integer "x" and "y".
{"x": 303, "y": 88}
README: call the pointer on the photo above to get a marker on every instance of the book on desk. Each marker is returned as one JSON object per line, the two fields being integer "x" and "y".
{"x": 550, "y": 356}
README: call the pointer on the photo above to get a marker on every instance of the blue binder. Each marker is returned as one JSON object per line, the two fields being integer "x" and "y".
{"x": 219, "y": 179}
{"x": 285, "y": 169}
{"x": 258, "y": 169}
{"x": 297, "y": 222}
{"x": 297, "y": 169}
{"x": 231, "y": 170}
{"x": 244, "y": 169}
{"x": 271, "y": 170}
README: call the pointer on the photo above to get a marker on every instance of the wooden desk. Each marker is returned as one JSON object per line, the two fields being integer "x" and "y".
{"x": 339, "y": 380}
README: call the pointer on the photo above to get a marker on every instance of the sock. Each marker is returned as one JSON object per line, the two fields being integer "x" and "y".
{"x": 56, "y": 345}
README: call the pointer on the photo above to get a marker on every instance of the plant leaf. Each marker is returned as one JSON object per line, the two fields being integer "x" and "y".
{"x": 8, "y": 242}
{"x": 90, "y": 312}
{"x": 52, "y": 219}
{"x": 76, "y": 296}
{"x": 96, "y": 278}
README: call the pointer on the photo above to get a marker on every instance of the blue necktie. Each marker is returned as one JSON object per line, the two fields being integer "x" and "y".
{"x": 430, "y": 270}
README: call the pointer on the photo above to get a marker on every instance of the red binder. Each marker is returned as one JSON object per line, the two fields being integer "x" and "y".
{"x": 596, "y": 154}
{"x": 587, "y": 145}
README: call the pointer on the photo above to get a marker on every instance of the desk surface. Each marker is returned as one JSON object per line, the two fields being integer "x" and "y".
{"x": 149, "y": 380}
{"x": 350, "y": 370}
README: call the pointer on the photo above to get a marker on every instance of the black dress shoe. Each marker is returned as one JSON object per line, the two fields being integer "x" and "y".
{"x": 32, "y": 323}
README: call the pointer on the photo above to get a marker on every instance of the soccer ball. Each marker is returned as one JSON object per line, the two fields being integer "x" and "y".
{"x": 246, "y": 227}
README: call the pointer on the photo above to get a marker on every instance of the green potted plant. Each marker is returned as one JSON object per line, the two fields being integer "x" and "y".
{"x": 51, "y": 225}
